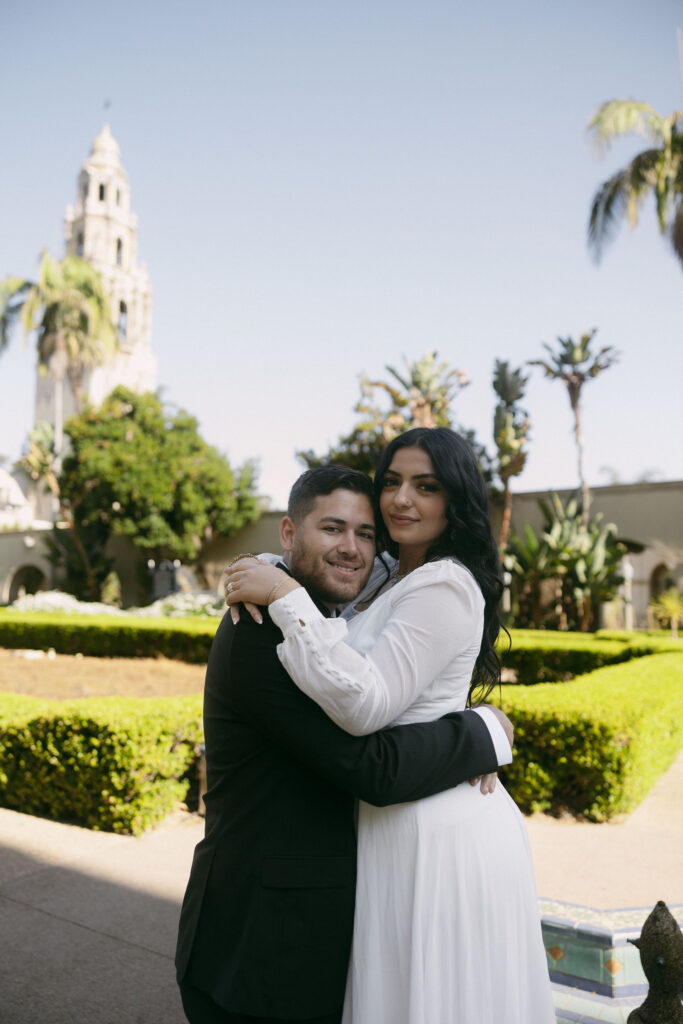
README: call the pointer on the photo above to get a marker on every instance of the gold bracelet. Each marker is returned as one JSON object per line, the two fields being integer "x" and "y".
{"x": 246, "y": 554}
{"x": 275, "y": 587}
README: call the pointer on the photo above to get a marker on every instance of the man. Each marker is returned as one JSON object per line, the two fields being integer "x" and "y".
{"x": 266, "y": 924}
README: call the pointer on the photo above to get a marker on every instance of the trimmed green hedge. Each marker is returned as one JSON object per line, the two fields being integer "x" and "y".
{"x": 539, "y": 656}
{"x": 111, "y": 764}
{"x": 592, "y": 747}
{"x": 536, "y": 661}
{"x": 109, "y": 636}
{"x": 595, "y": 746}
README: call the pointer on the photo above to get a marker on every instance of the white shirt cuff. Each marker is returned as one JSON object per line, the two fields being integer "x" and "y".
{"x": 498, "y": 737}
{"x": 289, "y": 611}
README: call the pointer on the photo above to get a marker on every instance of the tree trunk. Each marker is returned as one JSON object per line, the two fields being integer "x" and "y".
{"x": 585, "y": 614}
{"x": 89, "y": 574}
{"x": 585, "y": 494}
{"x": 507, "y": 512}
{"x": 53, "y": 485}
{"x": 76, "y": 381}
{"x": 536, "y": 610}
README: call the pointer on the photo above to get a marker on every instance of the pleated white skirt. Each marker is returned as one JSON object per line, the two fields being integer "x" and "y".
{"x": 447, "y": 929}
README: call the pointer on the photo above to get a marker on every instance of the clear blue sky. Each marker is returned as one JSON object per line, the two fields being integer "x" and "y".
{"x": 325, "y": 187}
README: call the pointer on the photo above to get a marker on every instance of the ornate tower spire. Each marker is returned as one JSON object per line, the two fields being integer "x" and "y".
{"x": 103, "y": 230}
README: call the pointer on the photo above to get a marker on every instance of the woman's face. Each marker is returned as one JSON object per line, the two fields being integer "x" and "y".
{"x": 413, "y": 502}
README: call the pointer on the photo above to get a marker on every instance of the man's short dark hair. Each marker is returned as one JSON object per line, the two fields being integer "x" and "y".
{"x": 324, "y": 480}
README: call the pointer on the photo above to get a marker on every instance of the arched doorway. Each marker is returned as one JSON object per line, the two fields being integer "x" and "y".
{"x": 660, "y": 580}
{"x": 27, "y": 580}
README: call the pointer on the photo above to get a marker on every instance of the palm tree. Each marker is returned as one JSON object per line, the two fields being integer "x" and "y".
{"x": 668, "y": 609}
{"x": 510, "y": 428}
{"x": 420, "y": 396}
{"x": 574, "y": 364}
{"x": 41, "y": 462}
{"x": 68, "y": 308}
{"x": 428, "y": 390}
{"x": 658, "y": 169}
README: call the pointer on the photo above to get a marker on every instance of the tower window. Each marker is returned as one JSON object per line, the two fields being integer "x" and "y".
{"x": 119, "y": 252}
{"x": 84, "y": 191}
{"x": 123, "y": 322}
{"x": 79, "y": 244}
{"x": 118, "y": 197}
{"x": 101, "y": 192}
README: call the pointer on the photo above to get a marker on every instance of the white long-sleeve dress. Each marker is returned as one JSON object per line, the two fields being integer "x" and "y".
{"x": 447, "y": 929}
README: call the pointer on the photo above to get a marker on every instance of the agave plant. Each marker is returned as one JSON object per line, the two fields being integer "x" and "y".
{"x": 530, "y": 561}
{"x": 583, "y": 560}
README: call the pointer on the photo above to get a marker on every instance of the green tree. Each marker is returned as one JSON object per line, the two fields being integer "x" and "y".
{"x": 85, "y": 547}
{"x": 419, "y": 397}
{"x": 510, "y": 430}
{"x": 68, "y": 309}
{"x": 574, "y": 364}
{"x": 141, "y": 471}
{"x": 668, "y": 609}
{"x": 657, "y": 170}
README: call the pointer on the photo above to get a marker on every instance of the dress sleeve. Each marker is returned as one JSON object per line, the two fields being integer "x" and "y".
{"x": 435, "y": 614}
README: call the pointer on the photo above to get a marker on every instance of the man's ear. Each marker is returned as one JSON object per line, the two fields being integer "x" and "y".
{"x": 287, "y": 531}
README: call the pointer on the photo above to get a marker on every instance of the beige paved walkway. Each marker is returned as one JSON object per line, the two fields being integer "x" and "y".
{"x": 88, "y": 920}
{"x": 631, "y": 863}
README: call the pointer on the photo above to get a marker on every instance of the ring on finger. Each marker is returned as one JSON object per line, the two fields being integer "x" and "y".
{"x": 229, "y": 587}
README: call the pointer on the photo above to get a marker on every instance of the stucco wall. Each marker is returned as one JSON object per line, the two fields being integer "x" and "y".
{"x": 21, "y": 550}
{"x": 648, "y": 515}
{"x": 263, "y": 535}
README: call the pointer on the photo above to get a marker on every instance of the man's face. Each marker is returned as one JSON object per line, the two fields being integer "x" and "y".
{"x": 331, "y": 551}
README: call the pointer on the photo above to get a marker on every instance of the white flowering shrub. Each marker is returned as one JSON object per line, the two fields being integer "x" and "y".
{"x": 198, "y": 604}
{"x": 56, "y": 601}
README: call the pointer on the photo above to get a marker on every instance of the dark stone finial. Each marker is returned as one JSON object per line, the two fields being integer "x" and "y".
{"x": 661, "y": 954}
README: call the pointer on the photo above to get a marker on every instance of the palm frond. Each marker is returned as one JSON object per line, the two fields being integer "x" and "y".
{"x": 643, "y": 170}
{"x": 12, "y": 294}
{"x": 602, "y": 361}
{"x": 677, "y": 231}
{"x": 550, "y": 371}
{"x": 508, "y": 384}
{"x": 609, "y": 205}
{"x": 627, "y": 117}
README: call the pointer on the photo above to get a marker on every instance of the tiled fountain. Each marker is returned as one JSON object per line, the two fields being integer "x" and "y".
{"x": 596, "y": 973}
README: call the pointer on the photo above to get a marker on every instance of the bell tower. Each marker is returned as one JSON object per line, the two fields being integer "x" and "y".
{"x": 103, "y": 230}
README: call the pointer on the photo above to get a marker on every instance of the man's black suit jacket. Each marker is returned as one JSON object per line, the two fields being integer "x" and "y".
{"x": 267, "y": 918}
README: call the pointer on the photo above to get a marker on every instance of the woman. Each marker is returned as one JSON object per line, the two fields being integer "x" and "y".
{"x": 447, "y": 928}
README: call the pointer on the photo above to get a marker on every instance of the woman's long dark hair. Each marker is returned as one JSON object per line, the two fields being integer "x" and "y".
{"x": 468, "y": 537}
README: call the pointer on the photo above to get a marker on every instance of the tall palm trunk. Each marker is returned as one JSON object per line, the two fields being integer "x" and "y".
{"x": 76, "y": 381}
{"x": 578, "y": 434}
{"x": 507, "y": 513}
